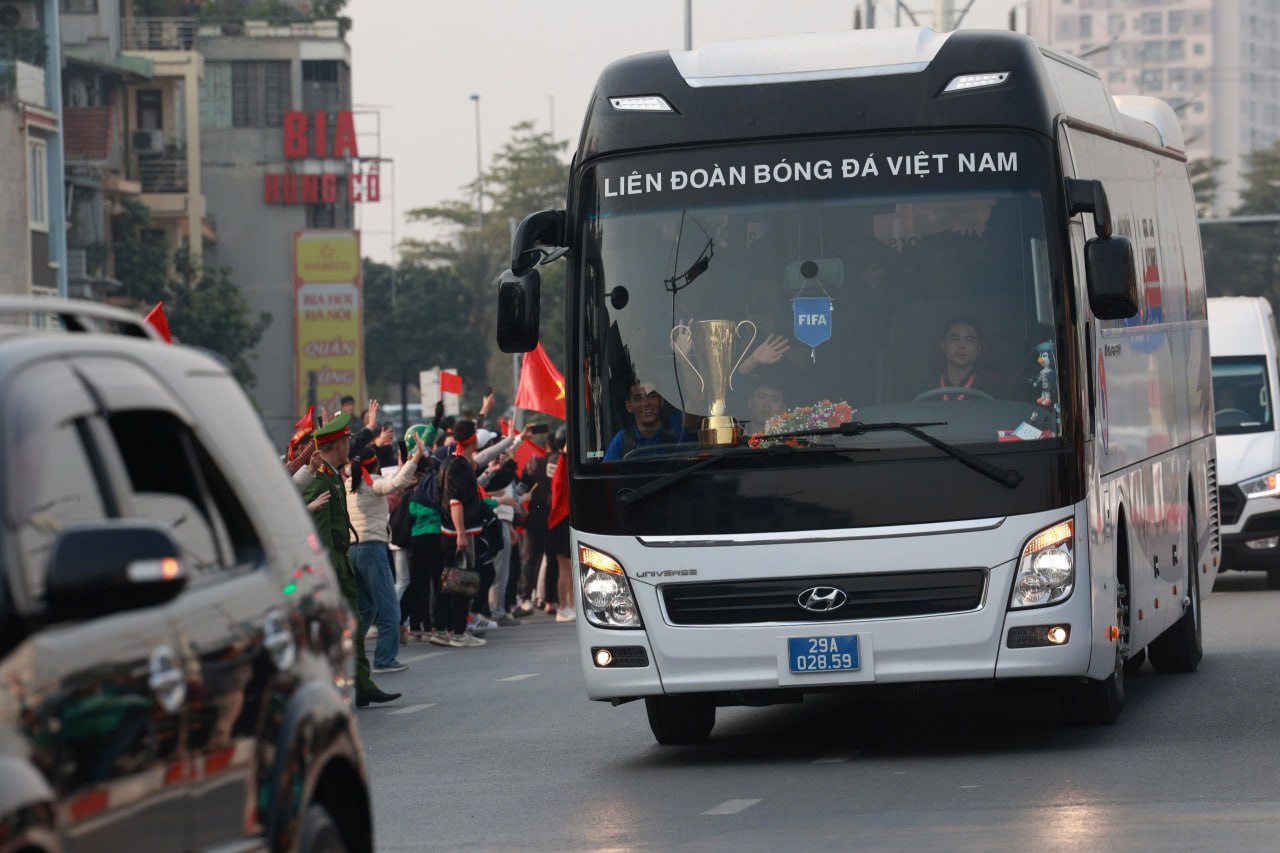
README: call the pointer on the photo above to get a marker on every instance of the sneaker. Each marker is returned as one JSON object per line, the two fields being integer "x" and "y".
{"x": 465, "y": 641}
{"x": 506, "y": 621}
{"x": 566, "y": 614}
{"x": 439, "y": 638}
{"x": 406, "y": 636}
{"x": 394, "y": 666}
{"x": 524, "y": 608}
{"x": 483, "y": 623}
{"x": 548, "y": 608}
{"x": 373, "y": 633}
{"x": 520, "y": 614}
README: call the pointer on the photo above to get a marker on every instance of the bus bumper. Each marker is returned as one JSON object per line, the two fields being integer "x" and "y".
{"x": 972, "y": 645}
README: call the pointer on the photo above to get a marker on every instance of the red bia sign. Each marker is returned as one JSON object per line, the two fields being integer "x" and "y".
{"x": 306, "y": 136}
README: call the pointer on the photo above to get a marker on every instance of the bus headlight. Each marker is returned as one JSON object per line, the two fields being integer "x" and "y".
{"x": 607, "y": 601}
{"x": 1266, "y": 486}
{"x": 1046, "y": 570}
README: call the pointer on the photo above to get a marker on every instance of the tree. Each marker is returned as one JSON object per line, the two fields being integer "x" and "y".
{"x": 1243, "y": 259}
{"x": 419, "y": 330}
{"x": 528, "y": 174}
{"x": 1204, "y": 183}
{"x": 204, "y": 307}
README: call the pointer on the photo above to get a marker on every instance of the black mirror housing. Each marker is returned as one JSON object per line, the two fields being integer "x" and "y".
{"x": 544, "y": 230}
{"x": 100, "y": 569}
{"x": 1089, "y": 197}
{"x": 1111, "y": 278}
{"x": 519, "y": 310}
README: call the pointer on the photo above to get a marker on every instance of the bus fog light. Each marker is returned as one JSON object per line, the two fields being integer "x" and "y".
{"x": 1057, "y": 635}
{"x": 1038, "y": 636}
{"x": 1046, "y": 569}
{"x": 604, "y": 657}
{"x": 1263, "y": 544}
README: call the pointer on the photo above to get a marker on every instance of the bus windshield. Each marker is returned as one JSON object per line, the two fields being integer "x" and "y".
{"x": 1240, "y": 399}
{"x": 737, "y": 294}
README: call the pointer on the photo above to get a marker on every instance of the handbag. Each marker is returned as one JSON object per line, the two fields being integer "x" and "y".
{"x": 460, "y": 579}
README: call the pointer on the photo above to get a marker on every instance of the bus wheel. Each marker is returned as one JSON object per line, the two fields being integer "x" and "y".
{"x": 679, "y": 720}
{"x": 1179, "y": 649}
{"x": 1134, "y": 664}
{"x": 1273, "y": 579}
{"x": 1099, "y": 703}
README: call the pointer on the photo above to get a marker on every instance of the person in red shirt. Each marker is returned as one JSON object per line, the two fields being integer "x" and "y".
{"x": 558, "y": 533}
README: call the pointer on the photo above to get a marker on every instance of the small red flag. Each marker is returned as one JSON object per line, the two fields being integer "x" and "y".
{"x": 526, "y": 451}
{"x": 308, "y": 421}
{"x": 541, "y": 385}
{"x": 450, "y": 383}
{"x": 160, "y": 322}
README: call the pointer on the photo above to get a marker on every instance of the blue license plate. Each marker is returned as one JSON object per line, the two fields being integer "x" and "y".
{"x": 823, "y": 654}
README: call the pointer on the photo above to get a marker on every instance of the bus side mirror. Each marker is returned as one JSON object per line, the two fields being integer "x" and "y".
{"x": 518, "y": 311}
{"x": 537, "y": 237}
{"x": 1089, "y": 197}
{"x": 1110, "y": 276}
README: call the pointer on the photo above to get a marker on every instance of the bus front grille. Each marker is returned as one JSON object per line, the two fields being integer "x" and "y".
{"x": 865, "y": 596}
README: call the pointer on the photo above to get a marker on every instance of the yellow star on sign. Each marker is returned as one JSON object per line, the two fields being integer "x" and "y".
{"x": 560, "y": 385}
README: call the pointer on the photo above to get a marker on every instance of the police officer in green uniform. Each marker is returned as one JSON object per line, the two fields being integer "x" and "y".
{"x": 333, "y": 446}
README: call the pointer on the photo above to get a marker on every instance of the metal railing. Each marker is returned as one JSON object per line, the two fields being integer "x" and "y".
{"x": 163, "y": 174}
{"x": 159, "y": 33}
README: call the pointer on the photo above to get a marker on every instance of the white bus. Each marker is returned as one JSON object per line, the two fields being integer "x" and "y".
{"x": 887, "y": 362}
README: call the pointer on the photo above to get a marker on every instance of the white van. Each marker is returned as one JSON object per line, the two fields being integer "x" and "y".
{"x": 1242, "y": 338}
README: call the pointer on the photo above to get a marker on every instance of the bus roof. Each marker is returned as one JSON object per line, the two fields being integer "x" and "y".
{"x": 860, "y": 81}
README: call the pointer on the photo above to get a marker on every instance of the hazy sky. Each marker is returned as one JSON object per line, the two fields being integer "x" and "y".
{"x": 421, "y": 60}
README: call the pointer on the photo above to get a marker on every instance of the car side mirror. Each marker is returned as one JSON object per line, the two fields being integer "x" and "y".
{"x": 536, "y": 239}
{"x": 100, "y": 569}
{"x": 519, "y": 311}
{"x": 1111, "y": 278}
{"x": 1084, "y": 196}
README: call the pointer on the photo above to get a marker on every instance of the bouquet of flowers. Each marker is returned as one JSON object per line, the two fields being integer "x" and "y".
{"x": 823, "y": 413}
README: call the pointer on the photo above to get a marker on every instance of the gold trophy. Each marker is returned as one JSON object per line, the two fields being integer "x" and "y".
{"x": 713, "y": 342}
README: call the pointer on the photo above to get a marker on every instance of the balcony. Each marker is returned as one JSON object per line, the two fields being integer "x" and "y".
{"x": 22, "y": 83}
{"x": 166, "y": 174}
{"x": 159, "y": 34}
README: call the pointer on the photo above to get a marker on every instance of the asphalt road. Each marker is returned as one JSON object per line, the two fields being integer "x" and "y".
{"x": 497, "y": 748}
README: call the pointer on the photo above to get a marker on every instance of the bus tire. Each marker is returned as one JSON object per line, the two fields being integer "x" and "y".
{"x": 1180, "y": 647}
{"x": 680, "y": 720}
{"x": 1094, "y": 702}
{"x": 1134, "y": 664}
{"x": 1273, "y": 579}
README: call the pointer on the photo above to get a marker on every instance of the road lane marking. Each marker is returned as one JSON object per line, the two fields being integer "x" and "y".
{"x": 731, "y": 807}
{"x": 965, "y": 787}
{"x": 416, "y": 658}
{"x": 520, "y": 677}
{"x": 837, "y": 757}
{"x": 412, "y": 709}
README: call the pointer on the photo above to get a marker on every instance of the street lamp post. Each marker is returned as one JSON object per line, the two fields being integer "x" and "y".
{"x": 479, "y": 168}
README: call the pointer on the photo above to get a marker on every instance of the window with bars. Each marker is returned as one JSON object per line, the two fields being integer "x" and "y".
{"x": 215, "y": 96}
{"x": 325, "y": 86}
{"x": 260, "y": 93}
{"x": 38, "y": 185}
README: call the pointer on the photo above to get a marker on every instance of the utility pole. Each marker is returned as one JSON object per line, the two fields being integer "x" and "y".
{"x": 479, "y": 168}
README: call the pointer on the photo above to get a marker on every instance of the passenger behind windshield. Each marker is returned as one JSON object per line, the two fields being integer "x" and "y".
{"x": 651, "y": 430}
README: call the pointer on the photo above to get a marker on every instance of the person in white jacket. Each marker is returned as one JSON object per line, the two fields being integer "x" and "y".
{"x": 371, "y": 520}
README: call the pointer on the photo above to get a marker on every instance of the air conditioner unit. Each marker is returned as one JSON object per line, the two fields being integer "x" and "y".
{"x": 18, "y": 15}
{"x": 148, "y": 143}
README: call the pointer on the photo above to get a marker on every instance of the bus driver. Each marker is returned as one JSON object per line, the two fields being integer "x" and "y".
{"x": 646, "y": 406}
{"x": 961, "y": 348}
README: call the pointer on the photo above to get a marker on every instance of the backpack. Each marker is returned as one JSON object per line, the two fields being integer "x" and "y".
{"x": 401, "y": 523}
{"x": 429, "y": 489}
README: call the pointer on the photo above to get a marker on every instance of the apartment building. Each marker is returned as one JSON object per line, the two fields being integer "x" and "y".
{"x": 1216, "y": 61}
{"x": 32, "y": 219}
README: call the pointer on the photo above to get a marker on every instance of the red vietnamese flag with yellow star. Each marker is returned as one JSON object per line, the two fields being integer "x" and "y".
{"x": 541, "y": 385}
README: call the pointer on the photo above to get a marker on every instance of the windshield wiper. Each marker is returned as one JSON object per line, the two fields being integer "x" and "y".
{"x": 628, "y": 498}
{"x": 1006, "y": 477}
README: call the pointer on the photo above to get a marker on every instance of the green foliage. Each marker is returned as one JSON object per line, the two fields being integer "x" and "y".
{"x": 204, "y": 307}
{"x": 421, "y": 329}
{"x": 27, "y": 46}
{"x": 1204, "y": 182}
{"x": 1243, "y": 259}
{"x": 528, "y": 174}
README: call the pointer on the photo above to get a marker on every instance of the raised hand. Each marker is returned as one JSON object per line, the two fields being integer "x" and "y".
{"x": 321, "y": 500}
{"x": 769, "y": 352}
{"x": 683, "y": 340}
{"x": 371, "y": 417}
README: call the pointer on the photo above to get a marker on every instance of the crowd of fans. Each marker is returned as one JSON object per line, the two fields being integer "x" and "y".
{"x": 446, "y": 538}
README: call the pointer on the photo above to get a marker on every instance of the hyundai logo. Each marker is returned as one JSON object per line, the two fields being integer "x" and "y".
{"x": 822, "y": 599}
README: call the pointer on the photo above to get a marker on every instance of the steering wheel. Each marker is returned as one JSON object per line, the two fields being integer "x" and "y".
{"x": 1240, "y": 412}
{"x": 942, "y": 392}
